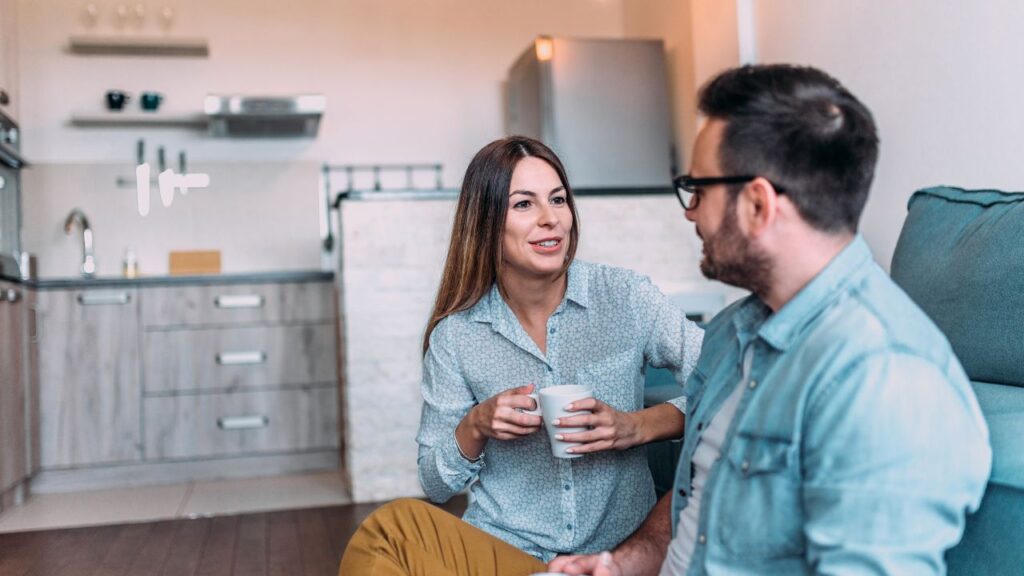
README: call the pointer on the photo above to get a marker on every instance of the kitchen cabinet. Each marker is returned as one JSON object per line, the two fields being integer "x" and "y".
{"x": 237, "y": 304}
{"x": 89, "y": 377}
{"x": 240, "y": 423}
{"x": 14, "y": 440}
{"x": 239, "y": 369}
{"x": 172, "y": 382}
{"x": 9, "y": 58}
{"x": 238, "y": 358}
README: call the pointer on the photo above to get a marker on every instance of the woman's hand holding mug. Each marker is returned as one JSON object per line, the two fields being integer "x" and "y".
{"x": 609, "y": 428}
{"x": 503, "y": 415}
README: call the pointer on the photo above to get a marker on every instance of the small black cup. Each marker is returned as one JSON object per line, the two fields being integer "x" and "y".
{"x": 150, "y": 101}
{"x": 116, "y": 99}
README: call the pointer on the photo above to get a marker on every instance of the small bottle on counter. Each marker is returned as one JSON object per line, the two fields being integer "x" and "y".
{"x": 130, "y": 265}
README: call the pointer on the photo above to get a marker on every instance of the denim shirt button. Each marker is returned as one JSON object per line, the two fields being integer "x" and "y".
{"x": 753, "y": 384}
{"x": 745, "y": 465}
{"x": 702, "y": 538}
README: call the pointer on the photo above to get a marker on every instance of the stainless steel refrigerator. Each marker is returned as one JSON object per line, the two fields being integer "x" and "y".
{"x": 602, "y": 105}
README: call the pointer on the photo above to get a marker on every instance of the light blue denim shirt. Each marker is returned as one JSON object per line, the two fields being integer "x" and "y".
{"x": 609, "y": 324}
{"x": 858, "y": 443}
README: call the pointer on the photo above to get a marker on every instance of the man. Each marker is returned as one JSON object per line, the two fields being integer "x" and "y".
{"x": 830, "y": 428}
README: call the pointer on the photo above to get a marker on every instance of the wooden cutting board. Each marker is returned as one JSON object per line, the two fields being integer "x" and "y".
{"x": 194, "y": 262}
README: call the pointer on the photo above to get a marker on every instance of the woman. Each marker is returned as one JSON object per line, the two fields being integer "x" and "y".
{"x": 516, "y": 313}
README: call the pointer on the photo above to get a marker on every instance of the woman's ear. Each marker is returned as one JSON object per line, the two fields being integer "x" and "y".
{"x": 758, "y": 206}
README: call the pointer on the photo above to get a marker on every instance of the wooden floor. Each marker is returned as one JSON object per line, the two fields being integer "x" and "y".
{"x": 287, "y": 543}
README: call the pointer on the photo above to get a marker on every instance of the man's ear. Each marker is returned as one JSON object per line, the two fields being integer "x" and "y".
{"x": 758, "y": 206}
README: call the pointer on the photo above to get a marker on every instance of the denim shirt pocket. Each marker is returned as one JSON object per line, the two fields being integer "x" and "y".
{"x": 759, "y": 505}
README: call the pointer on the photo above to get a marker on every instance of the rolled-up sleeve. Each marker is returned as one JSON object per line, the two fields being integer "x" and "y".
{"x": 673, "y": 341}
{"x": 443, "y": 471}
{"x": 894, "y": 455}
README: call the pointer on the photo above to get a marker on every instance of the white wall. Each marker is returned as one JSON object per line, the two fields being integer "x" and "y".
{"x": 406, "y": 80}
{"x": 943, "y": 80}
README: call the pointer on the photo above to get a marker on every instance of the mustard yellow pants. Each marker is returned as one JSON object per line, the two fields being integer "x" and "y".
{"x": 415, "y": 538}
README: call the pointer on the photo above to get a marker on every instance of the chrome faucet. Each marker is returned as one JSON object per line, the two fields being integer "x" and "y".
{"x": 88, "y": 261}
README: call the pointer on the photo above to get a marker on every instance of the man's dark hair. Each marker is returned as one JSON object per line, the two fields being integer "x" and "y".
{"x": 802, "y": 130}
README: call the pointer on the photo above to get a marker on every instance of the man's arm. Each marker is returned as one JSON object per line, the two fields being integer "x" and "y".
{"x": 641, "y": 554}
{"x": 893, "y": 456}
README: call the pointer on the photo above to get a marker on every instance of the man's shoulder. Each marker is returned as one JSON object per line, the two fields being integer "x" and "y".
{"x": 877, "y": 315}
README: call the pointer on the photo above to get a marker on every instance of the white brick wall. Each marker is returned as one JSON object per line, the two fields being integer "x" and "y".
{"x": 393, "y": 254}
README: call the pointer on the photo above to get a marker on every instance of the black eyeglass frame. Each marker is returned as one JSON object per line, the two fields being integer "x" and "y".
{"x": 687, "y": 187}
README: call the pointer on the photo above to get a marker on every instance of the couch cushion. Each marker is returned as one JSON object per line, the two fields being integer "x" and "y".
{"x": 1003, "y": 407}
{"x": 960, "y": 256}
{"x": 991, "y": 540}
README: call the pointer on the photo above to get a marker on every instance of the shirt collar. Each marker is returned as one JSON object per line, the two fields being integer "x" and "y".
{"x": 579, "y": 283}
{"x": 491, "y": 308}
{"x": 782, "y": 328}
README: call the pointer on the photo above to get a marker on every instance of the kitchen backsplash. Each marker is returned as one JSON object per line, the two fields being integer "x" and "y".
{"x": 262, "y": 216}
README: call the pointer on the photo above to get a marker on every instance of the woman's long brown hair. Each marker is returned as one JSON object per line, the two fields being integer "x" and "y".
{"x": 474, "y": 253}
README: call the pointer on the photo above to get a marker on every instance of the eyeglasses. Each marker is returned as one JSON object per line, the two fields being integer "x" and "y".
{"x": 688, "y": 188}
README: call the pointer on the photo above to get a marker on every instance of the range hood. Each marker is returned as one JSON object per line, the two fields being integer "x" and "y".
{"x": 240, "y": 116}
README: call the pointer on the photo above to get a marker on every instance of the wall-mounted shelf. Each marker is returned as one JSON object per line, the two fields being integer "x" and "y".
{"x": 138, "y": 45}
{"x": 137, "y": 119}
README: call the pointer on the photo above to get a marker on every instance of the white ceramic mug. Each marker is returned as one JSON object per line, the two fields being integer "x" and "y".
{"x": 553, "y": 401}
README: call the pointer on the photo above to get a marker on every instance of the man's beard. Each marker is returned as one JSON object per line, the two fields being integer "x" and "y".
{"x": 731, "y": 258}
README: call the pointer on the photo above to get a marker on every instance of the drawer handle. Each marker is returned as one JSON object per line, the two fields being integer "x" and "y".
{"x": 239, "y": 301}
{"x": 9, "y": 295}
{"x": 104, "y": 298}
{"x": 243, "y": 422}
{"x": 241, "y": 358}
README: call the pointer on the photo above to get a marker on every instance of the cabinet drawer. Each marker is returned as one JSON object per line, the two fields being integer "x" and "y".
{"x": 237, "y": 303}
{"x": 232, "y": 358}
{"x": 202, "y": 425}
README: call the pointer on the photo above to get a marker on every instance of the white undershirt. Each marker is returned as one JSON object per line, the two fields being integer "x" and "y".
{"x": 680, "y": 550}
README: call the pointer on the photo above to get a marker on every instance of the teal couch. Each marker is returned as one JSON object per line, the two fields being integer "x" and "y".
{"x": 960, "y": 256}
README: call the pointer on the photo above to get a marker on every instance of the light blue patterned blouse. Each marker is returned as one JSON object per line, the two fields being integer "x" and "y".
{"x": 609, "y": 324}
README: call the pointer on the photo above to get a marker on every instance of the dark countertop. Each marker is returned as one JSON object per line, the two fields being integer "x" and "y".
{"x": 199, "y": 280}
{"x": 449, "y": 194}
